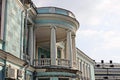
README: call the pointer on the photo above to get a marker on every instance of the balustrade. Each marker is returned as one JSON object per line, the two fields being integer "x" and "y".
{"x": 42, "y": 62}
{"x": 47, "y": 62}
{"x": 63, "y": 62}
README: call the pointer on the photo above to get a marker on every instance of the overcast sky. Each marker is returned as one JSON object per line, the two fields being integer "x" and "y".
{"x": 99, "y": 32}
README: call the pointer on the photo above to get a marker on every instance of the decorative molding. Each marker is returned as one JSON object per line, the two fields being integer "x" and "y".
{"x": 68, "y": 30}
{"x": 48, "y": 24}
{"x": 59, "y": 17}
{"x": 11, "y": 58}
{"x": 52, "y": 26}
{"x": 79, "y": 52}
{"x": 3, "y": 54}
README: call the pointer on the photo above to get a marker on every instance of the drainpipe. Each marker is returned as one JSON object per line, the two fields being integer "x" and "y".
{"x": 26, "y": 17}
{"x": 4, "y": 24}
{"x": 27, "y": 64}
{"x": 21, "y": 33}
{"x": 4, "y": 70}
{"x": 4, "y": 37}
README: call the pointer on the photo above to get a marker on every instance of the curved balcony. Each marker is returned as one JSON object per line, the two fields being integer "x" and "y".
{"x": 56, "y": 16}
{"x": 55, "y": 10}
{"x": 52, "y": 27}
{"x": 62, "y": 19}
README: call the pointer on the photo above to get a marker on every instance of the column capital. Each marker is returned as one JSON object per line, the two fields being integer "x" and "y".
{"x": 73, "y": 36}
{"x": 68, "y": 30}
{"x": 52, "y": 26}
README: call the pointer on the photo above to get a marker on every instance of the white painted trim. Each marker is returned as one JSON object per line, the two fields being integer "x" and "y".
{"x": 80, "y": 53}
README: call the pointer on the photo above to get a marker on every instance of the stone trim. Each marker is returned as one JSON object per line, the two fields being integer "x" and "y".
{"x": 11, "y": 58}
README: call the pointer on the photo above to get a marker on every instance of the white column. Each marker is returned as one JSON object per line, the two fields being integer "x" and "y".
{"x": 82, "y": 68}
{"x": 69, "y": 48}
{"x": 30, "y": 43}
{"x": 85, "y": 70}
{"x": 78, "y": 62}
{"x": 88, "y": 71}
{"x": 34, "y": 44}
{"x": 53, "y": 48}
{"x": 74, "y": 50}
{"x": 80, "y": 65}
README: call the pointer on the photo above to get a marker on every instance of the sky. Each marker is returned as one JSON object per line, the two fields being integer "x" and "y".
{"x": 99, "y": 32}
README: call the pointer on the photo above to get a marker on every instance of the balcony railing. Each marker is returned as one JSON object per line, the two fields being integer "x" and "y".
{"x": 42, "y": 62}
{"x": 63, "y": 62}
{"x": 47, "y": 62}
{"x": 55, "y": 10}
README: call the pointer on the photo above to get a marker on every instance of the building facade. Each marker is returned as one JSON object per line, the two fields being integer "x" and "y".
{"x": 37, "y": 43}
{"x": 107, "y": 71}
{"x": 85, "y": 65}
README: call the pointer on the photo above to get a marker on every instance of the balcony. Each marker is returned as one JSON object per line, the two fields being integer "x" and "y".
{"x": 59, "y": 17}
{"x": 44, "y": 62}
{"x": 55, "y": 10}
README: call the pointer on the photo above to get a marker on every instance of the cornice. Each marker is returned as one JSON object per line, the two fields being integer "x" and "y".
{"x": 14, "y": 59}
{"x": 79, "y": 52}
{"x": 3, "y": 55}
{"x": 11, "y": 58}
{"x": 59, "y": 17}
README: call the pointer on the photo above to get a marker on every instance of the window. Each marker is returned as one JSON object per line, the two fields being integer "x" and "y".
{"x": 98, "y": 65}
{"x": 58, "y": 52}
{"x": 43, "y": 53}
